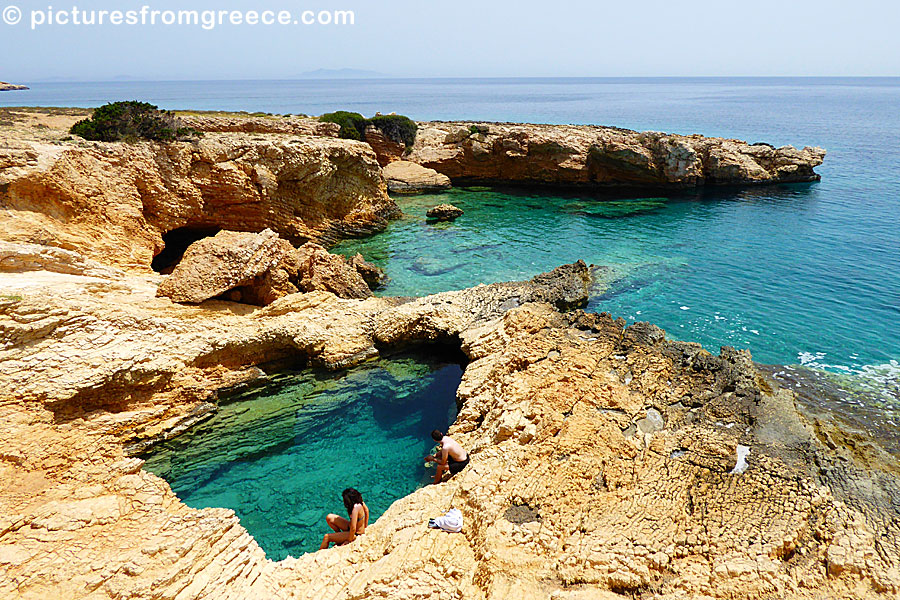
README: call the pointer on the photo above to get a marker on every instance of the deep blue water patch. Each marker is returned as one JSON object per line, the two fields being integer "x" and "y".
{"x": 280, "y": 455}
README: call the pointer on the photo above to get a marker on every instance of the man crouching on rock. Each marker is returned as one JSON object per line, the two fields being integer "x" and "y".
{"x": 451, "y": 456}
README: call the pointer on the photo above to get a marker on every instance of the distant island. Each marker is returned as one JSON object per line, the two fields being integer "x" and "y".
{"x": 9, "y": 87}
{"x": 341, "y": 74}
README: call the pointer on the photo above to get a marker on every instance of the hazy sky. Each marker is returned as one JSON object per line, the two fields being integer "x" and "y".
{"x": 416, "y": 38}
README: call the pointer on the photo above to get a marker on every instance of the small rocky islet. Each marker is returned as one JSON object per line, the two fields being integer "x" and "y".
{"x": 604, "y": 457}
{"x": 11, "y": 87}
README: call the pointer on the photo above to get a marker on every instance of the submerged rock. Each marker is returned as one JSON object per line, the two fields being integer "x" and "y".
{"x": 444, "y": 212}
{"x": 404, "y": 177}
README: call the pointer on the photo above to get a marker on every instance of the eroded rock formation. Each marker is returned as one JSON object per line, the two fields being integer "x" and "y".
{"x": 260, "y": 124}
{"x": 603, "y": 457}
{"x": 230, "y": 259}
{"x": 404, "y": 177}
{"x": 592, "y": 156}
{"x": 606, "y": 461}
{"x": 260, "y": 268}
{"x": 387, "y": 150}
{"x": 114, "y": 202}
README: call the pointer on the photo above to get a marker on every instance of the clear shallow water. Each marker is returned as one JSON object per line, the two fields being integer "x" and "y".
{"x": 281, "y": 454}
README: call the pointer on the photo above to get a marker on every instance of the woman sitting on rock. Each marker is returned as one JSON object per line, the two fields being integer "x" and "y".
{"x": 346, "y": 531}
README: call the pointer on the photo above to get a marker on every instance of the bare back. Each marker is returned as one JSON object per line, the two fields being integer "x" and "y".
{"x": 359, "y": 516}
{"x": 451, "y": 448}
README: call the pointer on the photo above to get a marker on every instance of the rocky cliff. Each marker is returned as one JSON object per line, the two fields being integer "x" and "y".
{"x": 115, "y": 202}
{"x": 599, "y": 157}
{"x": 607, "y": 461}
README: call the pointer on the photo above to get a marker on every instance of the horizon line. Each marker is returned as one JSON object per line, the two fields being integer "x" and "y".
{"x": 453, "y": 77}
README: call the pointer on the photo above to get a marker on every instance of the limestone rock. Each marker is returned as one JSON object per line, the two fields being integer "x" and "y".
{"x": 114, "y": 202}
{"x": 404, "y": 177}
{"x": 444, "y": 212}
{"x": 35, "y": 257}
{"x": 10, "y": 87}
{"x": 260, "y": 268}
{"x": 229, "y": 260}
{"x": 386, "y": 149}
{"x": 373, "y": 275}
{"x": 320, "y": 270}
{"x": 561, "y": 499}
{"x": 445, "y": 316}
{"x": 597, "y": 157}
{"x": 260, "y": 124}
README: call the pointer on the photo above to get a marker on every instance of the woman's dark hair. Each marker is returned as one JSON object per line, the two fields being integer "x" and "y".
{"x": 436, "y": 435}
{"x": 351, "y": 498}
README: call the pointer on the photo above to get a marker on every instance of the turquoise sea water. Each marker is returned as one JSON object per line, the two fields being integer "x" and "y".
{"x": 280, "y": 455}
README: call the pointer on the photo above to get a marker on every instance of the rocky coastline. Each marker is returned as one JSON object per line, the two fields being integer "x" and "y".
{"x": 607, "y": 461}
{"x": 116, "y": 202}
{"x": 595, "y": 157}
{"x": 11, "y": 87}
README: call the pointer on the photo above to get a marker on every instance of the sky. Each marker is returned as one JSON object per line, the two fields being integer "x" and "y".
{"x": 466, "y": 38}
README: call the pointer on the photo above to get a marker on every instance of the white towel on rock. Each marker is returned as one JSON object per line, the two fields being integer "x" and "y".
{"x": 452, "y": 521}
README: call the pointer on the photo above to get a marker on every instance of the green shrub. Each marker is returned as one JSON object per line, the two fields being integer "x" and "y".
{"x": 131, "y": 120}
{"x": 353, "y": 125}
{"x": 396, "y": 127}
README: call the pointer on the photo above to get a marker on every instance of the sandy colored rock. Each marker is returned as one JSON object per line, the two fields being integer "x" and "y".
{"x": 404, "y": 177}
{"x": 387, "y": 150}
{"x": 444, "y": 212}
{"x": 373, "y": 275}
{"x": 601, "y": 456}
{"x": 260, "y": 124}
{"x": 113, "y": 202}
{"x": 11, "y": 87}
{"x": 319, "y": 270}
{"x": 35, "y": 257}
{"x": 215, "y": 265}
{"x": 594, "y": 156}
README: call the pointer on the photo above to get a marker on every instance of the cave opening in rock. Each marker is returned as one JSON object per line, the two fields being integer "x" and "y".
{"x": 176, "y": 242}
{"x": 280, "y": 453}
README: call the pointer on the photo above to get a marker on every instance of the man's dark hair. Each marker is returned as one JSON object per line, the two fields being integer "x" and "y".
{"x": 436, "y": 435}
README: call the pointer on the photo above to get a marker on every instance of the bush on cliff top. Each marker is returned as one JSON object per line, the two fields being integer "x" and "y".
{"x": 353, "y": 126}
{"x": 396, "y": 127}
{"x": 126, "y": 121}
